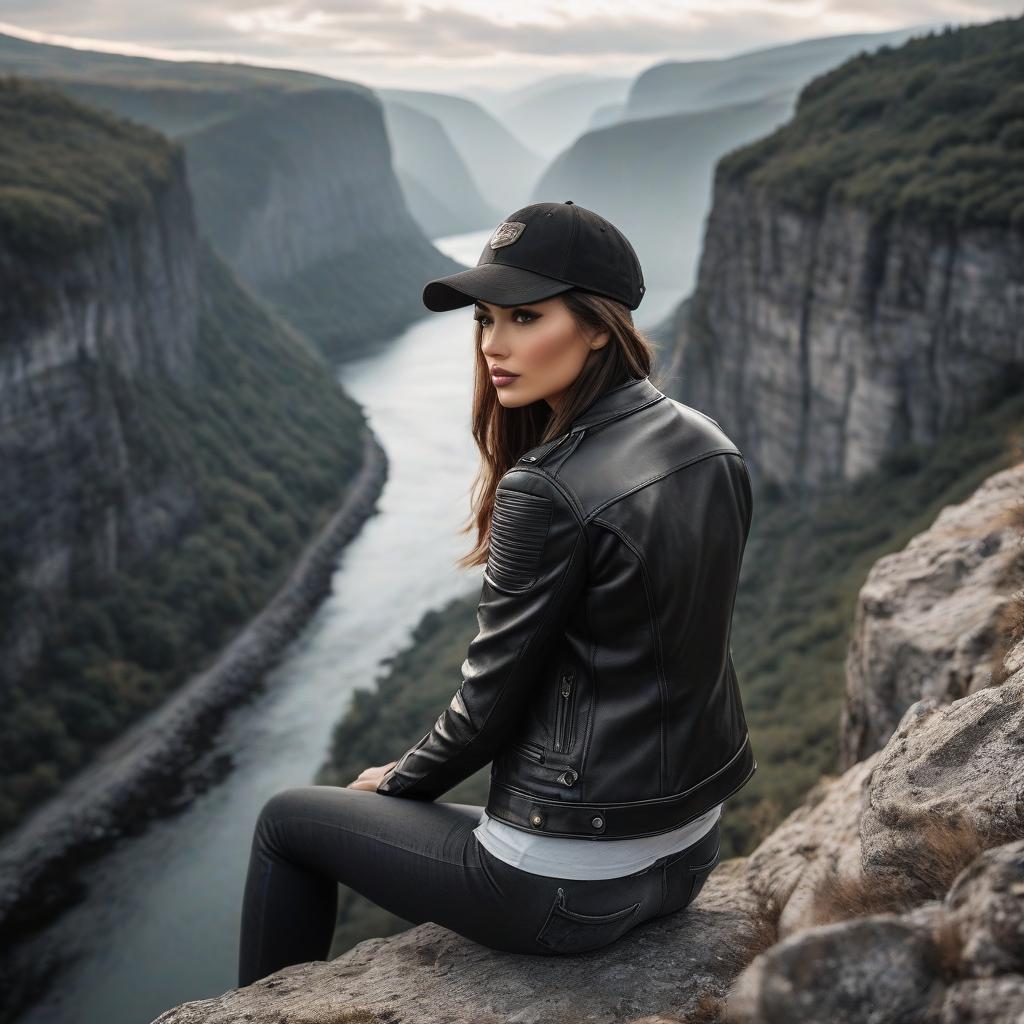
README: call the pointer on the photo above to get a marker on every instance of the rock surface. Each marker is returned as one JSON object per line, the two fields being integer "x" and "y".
{"x": 949, "y": 767}
{"x": 927, "y": 616}
{"x": 941, "y": 812}
{"x": 429, "y": 974}
{"x": 819, "y": 838}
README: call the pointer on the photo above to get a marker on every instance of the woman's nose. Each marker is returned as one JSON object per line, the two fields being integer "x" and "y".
{"x": 491, "y": 343}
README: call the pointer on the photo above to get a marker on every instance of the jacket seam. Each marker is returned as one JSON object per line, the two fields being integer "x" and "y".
{"x": 592, "y": 707}
{"x": 658, "y": 476}
{"x": 571, "y": 499}
{"x": 656, "y": 638}
{"x": 525, "y": 645}
{"x": 610, "y": 417}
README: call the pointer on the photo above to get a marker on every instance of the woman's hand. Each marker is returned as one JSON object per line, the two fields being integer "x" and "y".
{"x": 370, "y": 777}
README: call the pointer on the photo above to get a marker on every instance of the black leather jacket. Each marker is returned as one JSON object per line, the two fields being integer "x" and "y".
{"x": 601, "y": 683}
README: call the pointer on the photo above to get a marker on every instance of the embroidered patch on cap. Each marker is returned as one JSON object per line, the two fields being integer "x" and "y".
{"x": 519, "y": 525}
{"x": 506, "y": 233}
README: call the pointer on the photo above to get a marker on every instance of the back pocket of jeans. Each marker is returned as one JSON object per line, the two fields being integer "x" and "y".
{"x": 684, "y": 881}
{"x": 699, "y": 874}
{"x": 569, "y": 931}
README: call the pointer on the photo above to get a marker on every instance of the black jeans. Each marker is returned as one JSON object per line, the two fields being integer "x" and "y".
{"x": 420, "y": 860}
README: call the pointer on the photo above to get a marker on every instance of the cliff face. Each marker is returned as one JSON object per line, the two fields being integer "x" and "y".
{"x": 167, "y": 443}
{"x": 897, "y": 884}
{"x": 122, "y": 309}
{"x": 861, "y": 285}
{"x": 823, "y": 342}
{"x": 298, "y": 192}
{"x": 292, "y": 176}
{"x": 315, "y": 188}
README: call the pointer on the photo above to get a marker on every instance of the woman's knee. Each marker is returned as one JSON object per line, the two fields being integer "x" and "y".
{"x": 283, "y": 805}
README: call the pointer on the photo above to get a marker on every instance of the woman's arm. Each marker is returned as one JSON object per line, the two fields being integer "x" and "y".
{"x": 536, "y": 571}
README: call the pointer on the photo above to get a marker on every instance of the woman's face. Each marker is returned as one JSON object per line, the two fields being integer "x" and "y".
{"x": 538, "y": 342}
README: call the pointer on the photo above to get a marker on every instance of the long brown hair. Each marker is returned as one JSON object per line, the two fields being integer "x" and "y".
{"x": 502, "y": 435}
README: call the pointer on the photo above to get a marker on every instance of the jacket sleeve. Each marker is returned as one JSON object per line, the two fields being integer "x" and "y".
{"x": 535, "y": 572}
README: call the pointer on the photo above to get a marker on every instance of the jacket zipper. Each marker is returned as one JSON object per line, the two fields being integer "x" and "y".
{"x": 564, "y": 716}
{"x": 558, "y": 443}
{"x": 555, "y": 444}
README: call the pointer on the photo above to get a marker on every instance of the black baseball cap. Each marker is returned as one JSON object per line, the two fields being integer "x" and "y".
{"x": 539, "y": 251}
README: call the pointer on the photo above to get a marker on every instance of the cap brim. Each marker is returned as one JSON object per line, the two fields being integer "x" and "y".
{"x": 497, "y": 283}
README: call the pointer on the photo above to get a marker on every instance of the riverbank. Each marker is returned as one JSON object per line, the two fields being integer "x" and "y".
{"x": 162, "y": 761}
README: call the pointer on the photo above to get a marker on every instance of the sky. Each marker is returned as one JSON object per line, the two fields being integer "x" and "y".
{"x": 466, "y": 44}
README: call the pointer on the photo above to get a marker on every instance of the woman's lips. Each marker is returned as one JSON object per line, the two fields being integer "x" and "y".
{"x": 501, "y": 379}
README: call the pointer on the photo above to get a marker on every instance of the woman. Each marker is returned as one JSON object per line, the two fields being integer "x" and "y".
{"x": 611, "y": 521}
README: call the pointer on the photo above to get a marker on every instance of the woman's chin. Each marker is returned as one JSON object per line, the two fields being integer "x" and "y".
{"x": 510, "y": 399}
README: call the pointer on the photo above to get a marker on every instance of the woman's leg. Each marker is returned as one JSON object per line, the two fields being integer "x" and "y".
{"x": 420, "y": 860}
{"x": 407, "y": 856}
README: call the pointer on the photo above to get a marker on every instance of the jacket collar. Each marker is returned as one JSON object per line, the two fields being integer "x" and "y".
{"x": 621, "y": 400}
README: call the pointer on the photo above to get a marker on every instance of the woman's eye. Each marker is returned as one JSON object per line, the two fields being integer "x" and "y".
{"x": 484, "y": 319}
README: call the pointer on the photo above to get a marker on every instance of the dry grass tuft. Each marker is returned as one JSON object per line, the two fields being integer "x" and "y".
{"x": 947, "y": 846}
{"x": 765, "y": 817}
{"x": 841, "y": 898}
{"x": 946, "y": 950}
{"x": 1010, "y": 624}
{"x": 709, "y": 1010}
{"x": 1010, "y": 631}
{"x": 762, "y": 933}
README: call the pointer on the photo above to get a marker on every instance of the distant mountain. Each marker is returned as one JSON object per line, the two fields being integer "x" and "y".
{"x": 652, "y": 178}
{"x": 462, "y": 208}
{"x": 440, "y": 191}
{"x": 548, "y": 119}
{"x": 543, "y": 86}
{"x": 649, "y": 168}
{"x": 678, "y": 86}
{"x": 605, "y": 115}
{"x": 500, "y": 164}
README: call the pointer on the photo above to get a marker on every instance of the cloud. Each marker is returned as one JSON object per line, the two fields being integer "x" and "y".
{"x": 374, "y": 40}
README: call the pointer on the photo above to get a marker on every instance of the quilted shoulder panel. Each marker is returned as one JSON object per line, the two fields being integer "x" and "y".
{"x": 519, "y": 527}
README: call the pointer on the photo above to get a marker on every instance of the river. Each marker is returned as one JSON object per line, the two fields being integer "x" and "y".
{"x": 158, "y": 925}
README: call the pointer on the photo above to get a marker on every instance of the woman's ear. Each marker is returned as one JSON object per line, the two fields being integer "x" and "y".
{"x": 599, "y": 339}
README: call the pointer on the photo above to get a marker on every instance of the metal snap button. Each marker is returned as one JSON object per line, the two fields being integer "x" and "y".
{"x": 536, "y": 819}
{"x": 597, "y": 822}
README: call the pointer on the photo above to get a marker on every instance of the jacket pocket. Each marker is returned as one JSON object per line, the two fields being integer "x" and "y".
{"x": 569, "y": 931}
{"x": 566, "y": 774}
{"x": 531, "y": 751}
{"x": 564, "y": 713}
